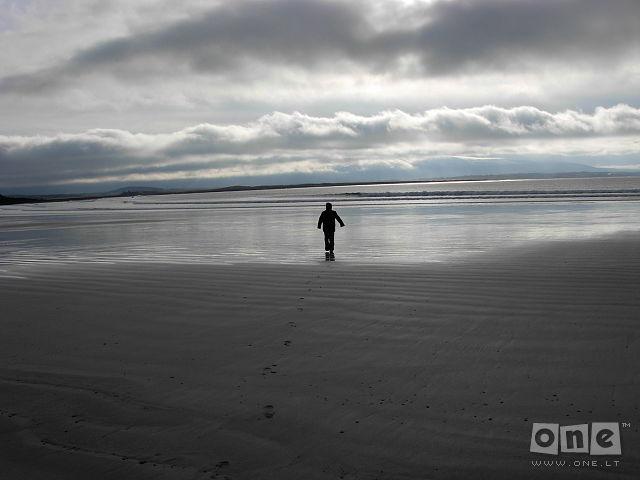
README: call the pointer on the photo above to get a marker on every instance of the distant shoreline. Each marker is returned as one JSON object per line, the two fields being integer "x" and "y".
{"x": 131, "y": 191}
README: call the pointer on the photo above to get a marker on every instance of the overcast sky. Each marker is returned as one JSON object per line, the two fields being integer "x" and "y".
{"x": 97, "y": 94}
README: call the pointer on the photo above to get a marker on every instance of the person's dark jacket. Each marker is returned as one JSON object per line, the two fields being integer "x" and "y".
{"x": 328, "y": 220}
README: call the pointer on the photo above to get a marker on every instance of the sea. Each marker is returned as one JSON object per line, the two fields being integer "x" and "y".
{"x": 385, "y": 223}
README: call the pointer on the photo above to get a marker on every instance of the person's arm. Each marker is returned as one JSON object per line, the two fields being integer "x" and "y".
{"x": 339, "y": 220}
{"x": 320, "y": 220}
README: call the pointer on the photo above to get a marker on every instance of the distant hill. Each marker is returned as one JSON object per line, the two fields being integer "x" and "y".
{"x": 130, "y": 191}
{"x": 15, "y": 200}
{"x": 120, "y": 192}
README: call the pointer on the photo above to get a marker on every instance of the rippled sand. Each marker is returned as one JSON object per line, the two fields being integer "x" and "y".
{"x": 253, "y": 371}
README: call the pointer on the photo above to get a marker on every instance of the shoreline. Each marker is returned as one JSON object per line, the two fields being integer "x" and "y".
{"x": 319, "y": 370}
{"x": 128, "y": 191}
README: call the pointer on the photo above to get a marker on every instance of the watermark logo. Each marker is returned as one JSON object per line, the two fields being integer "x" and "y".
{"x": 551, "y": 438}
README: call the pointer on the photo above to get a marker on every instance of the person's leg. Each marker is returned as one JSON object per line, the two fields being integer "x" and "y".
{"x": 326, "y": 241}
{"x": 331, "y": 242}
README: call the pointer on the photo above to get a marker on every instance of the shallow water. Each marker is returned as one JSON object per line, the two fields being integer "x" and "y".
{"x": 280, "y": 225}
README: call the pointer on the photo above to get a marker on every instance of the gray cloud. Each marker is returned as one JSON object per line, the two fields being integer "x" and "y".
{"x": 294, "y": 143}
{"x": 345, "y": 130}
{"x": 497, "y": 33}
{"x": 443, "y": 38}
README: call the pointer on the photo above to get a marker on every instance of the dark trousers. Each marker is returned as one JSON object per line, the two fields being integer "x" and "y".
{"x": 328, "y": 240}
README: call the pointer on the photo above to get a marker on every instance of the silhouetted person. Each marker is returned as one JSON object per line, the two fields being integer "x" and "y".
{"x": 327, "y": 222}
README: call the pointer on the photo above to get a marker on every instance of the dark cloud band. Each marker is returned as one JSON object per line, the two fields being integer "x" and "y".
{"x": 296, "y": 142}
{"x": 437, "y": 39}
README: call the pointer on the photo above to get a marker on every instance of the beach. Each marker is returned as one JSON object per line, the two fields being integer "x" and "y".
{"x": 320, "y": 240}
{"x": 320, "y": 371}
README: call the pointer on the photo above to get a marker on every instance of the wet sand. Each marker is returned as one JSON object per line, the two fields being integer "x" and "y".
{"x": 333, "y": 370}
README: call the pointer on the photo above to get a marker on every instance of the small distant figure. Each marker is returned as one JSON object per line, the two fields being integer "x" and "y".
{"x": 327, "y": 222}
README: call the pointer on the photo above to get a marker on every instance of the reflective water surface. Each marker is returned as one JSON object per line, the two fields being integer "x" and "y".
{"x": 280, "y": 225}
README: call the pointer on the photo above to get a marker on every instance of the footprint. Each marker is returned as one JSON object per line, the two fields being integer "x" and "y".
{"x": 268, "y": 411}
{"x": 287, "y": 343}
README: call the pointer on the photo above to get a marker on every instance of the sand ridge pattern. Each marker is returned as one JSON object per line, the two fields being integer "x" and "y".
{"x": 318, "y": 371}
